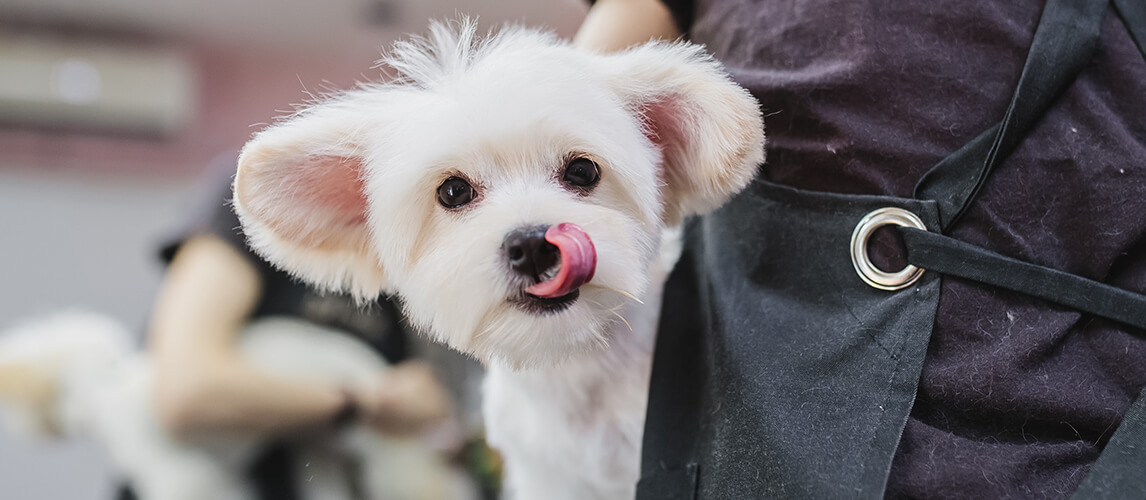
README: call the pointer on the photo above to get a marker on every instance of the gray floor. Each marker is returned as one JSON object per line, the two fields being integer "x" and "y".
{"x": 69, "y": 240}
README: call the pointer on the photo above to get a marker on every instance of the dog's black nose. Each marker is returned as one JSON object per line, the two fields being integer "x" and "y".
{"x": 528, "y": 253}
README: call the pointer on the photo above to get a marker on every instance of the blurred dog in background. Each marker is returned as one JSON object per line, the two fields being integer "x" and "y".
{"x": 76, "y": 375}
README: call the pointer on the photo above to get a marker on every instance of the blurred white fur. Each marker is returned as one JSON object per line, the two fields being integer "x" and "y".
{"x": 99, "y": 389}
{"x": 343, "y": 195}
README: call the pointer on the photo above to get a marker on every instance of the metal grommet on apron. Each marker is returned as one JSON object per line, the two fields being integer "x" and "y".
{"x": 867, "y": 271}
{"x": 780, "y": 373}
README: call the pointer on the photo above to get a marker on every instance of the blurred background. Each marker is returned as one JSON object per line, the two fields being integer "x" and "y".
{"x": 109, "y": 112}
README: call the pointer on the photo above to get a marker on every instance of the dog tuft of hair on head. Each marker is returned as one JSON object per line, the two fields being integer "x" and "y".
{"x": 344, "y": 194}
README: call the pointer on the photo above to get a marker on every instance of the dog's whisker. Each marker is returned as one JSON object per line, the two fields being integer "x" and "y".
{"x": 613, "y": 309}
{"x": 618, "y": 290}
{"x": 617, "y": 314}
{"x": 603, "y": 343}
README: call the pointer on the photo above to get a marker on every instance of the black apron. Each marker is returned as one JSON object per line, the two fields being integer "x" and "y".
{"x": 780, "y": 372}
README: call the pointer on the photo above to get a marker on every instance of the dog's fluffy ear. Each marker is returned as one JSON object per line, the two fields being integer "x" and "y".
{"x": 299, "y": 195}
{"x": 710, "y": 130}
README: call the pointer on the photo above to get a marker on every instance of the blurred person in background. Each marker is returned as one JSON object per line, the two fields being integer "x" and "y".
{"x": 213, "y": 287}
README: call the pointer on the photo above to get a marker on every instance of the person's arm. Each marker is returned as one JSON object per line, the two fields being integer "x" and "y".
{"x": 201, "y": 383}
{"x": 613, "y": 25}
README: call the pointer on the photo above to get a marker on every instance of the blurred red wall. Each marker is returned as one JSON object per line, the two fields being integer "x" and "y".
{"x": 239, "y": 91}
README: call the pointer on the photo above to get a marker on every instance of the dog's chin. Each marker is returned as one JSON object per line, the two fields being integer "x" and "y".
{"x": 533, "y": 332}
{"x": 544, "y": 305}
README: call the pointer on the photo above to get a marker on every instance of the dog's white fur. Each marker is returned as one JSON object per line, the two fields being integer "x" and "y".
{"x": 343, "y": 195}
{"x": 102, "y": 389}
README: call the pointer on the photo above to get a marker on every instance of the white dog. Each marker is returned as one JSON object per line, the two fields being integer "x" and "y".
{"x": 76, "y": 375}
{"x": 514, "y": 192}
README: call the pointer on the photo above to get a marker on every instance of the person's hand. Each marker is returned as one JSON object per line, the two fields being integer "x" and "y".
{"x": 27, "y": 384}
{"x": 409, "y": 400}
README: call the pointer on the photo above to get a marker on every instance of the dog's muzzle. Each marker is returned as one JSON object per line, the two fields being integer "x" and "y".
{"x": 529, "y": 254}
{"x": 556, "y": 260}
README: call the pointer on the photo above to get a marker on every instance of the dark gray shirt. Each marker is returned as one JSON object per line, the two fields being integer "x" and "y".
{"x": 1017, "y": 396}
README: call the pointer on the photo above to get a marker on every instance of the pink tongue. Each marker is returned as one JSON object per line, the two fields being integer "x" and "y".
{"x": 578, "y": 261}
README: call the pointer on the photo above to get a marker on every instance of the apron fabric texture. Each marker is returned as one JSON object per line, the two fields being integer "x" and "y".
{"x": 780, "y": 373}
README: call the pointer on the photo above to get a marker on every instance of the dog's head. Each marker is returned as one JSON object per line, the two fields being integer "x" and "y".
{"x": 510, "y": 191}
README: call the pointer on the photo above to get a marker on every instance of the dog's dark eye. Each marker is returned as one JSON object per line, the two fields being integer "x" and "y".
{"x": 455, "y": 192}
{"x": 582, "y": 173}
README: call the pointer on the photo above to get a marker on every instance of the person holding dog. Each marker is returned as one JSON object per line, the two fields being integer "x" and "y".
{"x": 213, "y": 287}
{"x": 993, "y": 346}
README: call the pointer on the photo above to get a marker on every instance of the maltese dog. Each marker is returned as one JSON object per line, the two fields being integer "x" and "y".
{"x": 515, "y": 193}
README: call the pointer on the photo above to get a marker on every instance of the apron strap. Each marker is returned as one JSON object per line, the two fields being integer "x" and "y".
{"x": 951, "y": 257}
{"x": 1133, "y": 14}
{"x": 1064, "y": 41}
